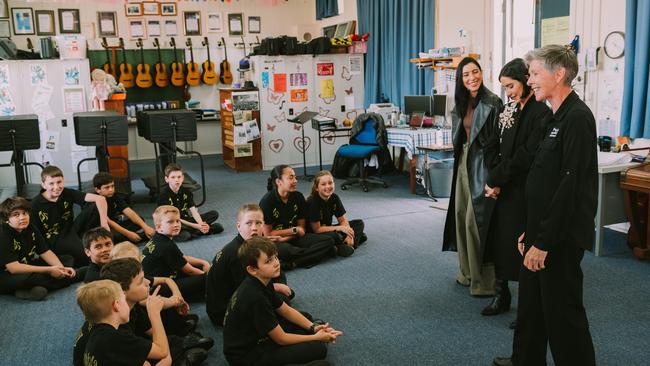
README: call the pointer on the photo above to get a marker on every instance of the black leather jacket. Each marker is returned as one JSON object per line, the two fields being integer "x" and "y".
{"x": 484, "y": 124}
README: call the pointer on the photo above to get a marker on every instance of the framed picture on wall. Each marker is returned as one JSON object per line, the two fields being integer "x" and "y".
{"x": 330, "y": 31}
{"x": 192, "y": 22}
{"x": 45, "y": 22}
{"x": 171, "y": 28}
{"x": 107, "y": 23}
{"x": 153, "y": 28}
{"x": 150, "y": 8}
{"x": 23, "y": 19}
{"x": 69, "y": 21}
{"x": 254, "y": 25}
{"x": 133, "y": 9}
{"x": 5, "y": 28}
{"x": 215, "y": 23}
{"x": 4, "y": 9}
{"x": 235, "y": 24}
{"x": 168, "y": 9}
{"x": 137, "y": 29}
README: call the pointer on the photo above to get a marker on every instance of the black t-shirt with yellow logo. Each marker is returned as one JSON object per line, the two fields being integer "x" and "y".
{"x": 115, "y": 347}
{"x": 162, "y": 257}
{"x": 319, "y": 210}
{"x": 23, "y": 247}
{"x": 183, "y": 200}
{"x": 282, "y": 215}
{"x": 55, "y": 219}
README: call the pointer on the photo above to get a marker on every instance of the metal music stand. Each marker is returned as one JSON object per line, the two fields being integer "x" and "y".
{"x": 301, "y": 119}
{"x": 17, "y": 134}
{"x": 164, "y": 128}
{"x": 102, "y": 129}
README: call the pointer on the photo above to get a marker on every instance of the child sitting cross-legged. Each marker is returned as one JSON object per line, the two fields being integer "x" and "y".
{"x": 261, "y": 329}
{"x": 105, "y": 306}
{"x": 226, "y": 272}
{"x": 163, "y": 258}
{"x": 28, "y": 268}
{"x": 98, "y": 243}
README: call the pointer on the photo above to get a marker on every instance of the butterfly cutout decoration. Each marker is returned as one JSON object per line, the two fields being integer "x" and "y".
{"x": 297, "y": 126}
{"x": 271, "y": 127}
{"x": 348, "y": 91}
{"x": 345, "y": 74}
{"x": 273, "y": 97}
{"x": 280, "y": 117}
{"x": 323, "y": 112}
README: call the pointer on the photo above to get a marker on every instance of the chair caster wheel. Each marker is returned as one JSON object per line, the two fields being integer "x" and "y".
{"x": 344, "y": 187}
{"x": 365, "y": 189}
{"x": 385, "y": 185}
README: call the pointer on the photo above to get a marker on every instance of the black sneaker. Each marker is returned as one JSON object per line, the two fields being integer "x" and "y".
{"x": 362, "y": 238}
{"x": 344, "y": 250}
{"x": 195, "y": 357}
{"x": 216, "y": 228}
{"x": 36, "y": 293}
{"x": 196, "y": 340}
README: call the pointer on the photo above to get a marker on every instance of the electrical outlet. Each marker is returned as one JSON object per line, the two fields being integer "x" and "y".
{"x": 343, "y": 108}
{"x": 64, "y": 123}
{"x": 291, "y": 111}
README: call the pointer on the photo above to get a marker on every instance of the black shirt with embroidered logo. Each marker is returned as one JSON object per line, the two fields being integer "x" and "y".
{"x": 116, "y": 206}
{"x": 282, "y": 215}
{"x": 249, "y": 318}
{"x": 92, "y": 273}
{"x": 319, "y": 210}
{"x": 55, "y": 219}
{"x": 24, "y": 247}
{"x": 107, "y": 346}
{"x": 183, "y": 200}
{"x": 162, "y": 257}
{"x": 562, "y": 183}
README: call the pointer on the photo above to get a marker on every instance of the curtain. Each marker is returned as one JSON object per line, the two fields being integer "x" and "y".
{"x": 326, "y": 9}
{"x": 635, "y": 112}
{"x": 399, "y": 30}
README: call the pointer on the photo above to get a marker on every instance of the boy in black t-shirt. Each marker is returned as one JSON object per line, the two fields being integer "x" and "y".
{"x": 252, "y": 333}
{"x": 284, "y": 222}
{"x": 28, "y": 267}
{"x": 194, "y": 223}
{"x": 163, "y": 258}
{"x": 105, "y": 306}
{"x": 98, "y": 244}
{"x": 53, "y": 214}
{"x": 323, "y": 204}
{"x": 227, "y": 273}
{"x": 125, "y": 223}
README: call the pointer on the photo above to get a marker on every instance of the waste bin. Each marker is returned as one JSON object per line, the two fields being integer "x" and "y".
{"x": 439, "y": 175}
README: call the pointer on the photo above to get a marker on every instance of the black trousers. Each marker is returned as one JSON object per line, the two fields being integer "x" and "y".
{"x": 192, "y": 287}
{"x": 129, "y": 225}
{"x": 551, "y": 312}
{"x": 356, "y": 225}
{"x": 207, "y": 217}
{"x": 274, "y": 354}
{"x": 70, "y": 244}
{"x": 307, "y": 250}
{"x": 9, "y": 283}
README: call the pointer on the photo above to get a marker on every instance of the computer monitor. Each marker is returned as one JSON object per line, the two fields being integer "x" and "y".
{"x": 431, "y": 106}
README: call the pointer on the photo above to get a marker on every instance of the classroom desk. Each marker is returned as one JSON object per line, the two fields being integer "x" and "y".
{"x": 611, "y": 208}
{"x": 408, "y": 141}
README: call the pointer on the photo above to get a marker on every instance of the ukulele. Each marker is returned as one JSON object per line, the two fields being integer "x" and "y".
{"x": 161, "y": 69}
{"x": 224, "y": 68}
{"x": 209, "y": 77}
{"x": 178, "y": 78}
{"x": 143, "y": 79}
{"x": 126, "y": 70}
{"x": 193, "y": 75}
{"x": 108, "y": 67}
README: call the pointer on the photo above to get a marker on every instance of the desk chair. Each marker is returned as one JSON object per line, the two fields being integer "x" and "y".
{"x": 362, "y": 146}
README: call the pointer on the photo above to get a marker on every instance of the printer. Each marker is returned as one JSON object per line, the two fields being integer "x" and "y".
{"x": 385, "y": 110}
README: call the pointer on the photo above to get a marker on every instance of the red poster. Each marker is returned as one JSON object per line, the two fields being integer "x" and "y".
{"x": 280, "y": 83}
{"x": 325, "y": 69}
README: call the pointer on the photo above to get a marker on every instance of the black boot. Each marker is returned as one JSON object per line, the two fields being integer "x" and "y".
{"x": 500, "y": 302}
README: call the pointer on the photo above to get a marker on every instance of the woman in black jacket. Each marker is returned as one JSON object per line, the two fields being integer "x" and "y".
{"x": 468, "y": 216}
{"x": 519, "y": 130}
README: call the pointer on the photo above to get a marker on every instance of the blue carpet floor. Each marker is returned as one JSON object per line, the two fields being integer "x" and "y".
{"x": 395, "y": 298}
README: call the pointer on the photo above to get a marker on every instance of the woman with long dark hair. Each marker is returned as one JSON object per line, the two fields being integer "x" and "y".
{"x": 468, "y": 216}
{"x": 519, "y": 130}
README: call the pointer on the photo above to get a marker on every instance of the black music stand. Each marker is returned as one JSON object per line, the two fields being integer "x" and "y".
{"x": 17, "y": 134}
{"x": 102, "y": 129}
{"x": 301, "y": 119}
{"x": 164, "y": 128}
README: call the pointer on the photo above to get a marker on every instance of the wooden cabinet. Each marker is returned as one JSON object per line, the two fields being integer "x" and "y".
{"x": 245, "y": 163}
{"x": 117, "y": 167}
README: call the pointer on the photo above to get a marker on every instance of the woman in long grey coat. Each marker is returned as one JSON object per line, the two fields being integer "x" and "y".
{"x": 468, "y": 216}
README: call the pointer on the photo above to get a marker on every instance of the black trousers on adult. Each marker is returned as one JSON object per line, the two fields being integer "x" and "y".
{"x": 551, "y": 312}
{"x": 307, "y": 250}
{"x": 192, "y": 287}
{"x": 9, "y": 283}
{"x": 274, "y": 354}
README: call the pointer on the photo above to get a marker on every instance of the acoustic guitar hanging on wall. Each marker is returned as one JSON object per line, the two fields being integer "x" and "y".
{"x": 178, "y": 76}
{"x": 193, "y": 75}
{"x": 126, "y": 70}
{"x": 225, "y": 73}
{"x": 209, "y": 77}
{"x": 143, "y": 79}
{"x": 161, "y": 68}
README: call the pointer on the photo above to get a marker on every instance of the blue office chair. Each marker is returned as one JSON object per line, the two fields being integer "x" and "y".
{"x": 362, "y": 146}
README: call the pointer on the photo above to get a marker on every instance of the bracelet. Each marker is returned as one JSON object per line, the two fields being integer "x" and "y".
{"x": 316, "y": 323}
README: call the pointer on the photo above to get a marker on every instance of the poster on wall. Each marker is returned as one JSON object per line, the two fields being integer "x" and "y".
{"x": 280, "y": 83}
{"x": 74, "y": 100}
{"x": 298, "y": 79}
{"x": 299, "y": 95}
{"x": 37, "y": 74}
{"x": 325, "y": 69}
